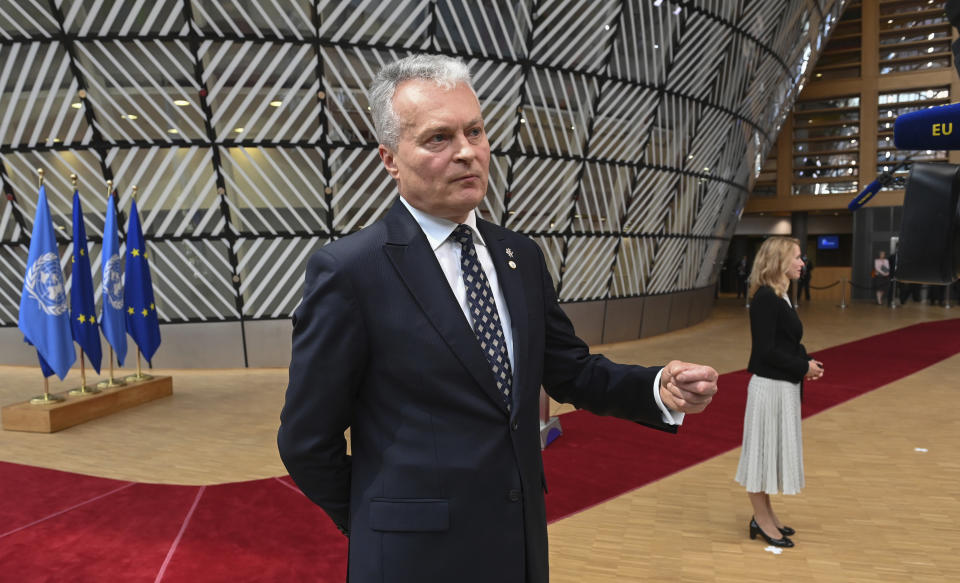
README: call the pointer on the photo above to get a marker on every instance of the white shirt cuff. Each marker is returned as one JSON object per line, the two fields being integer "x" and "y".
{"x": 669, "y": 417}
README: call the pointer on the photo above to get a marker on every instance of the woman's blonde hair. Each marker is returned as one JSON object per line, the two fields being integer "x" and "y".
{"x": 771, "y": 265}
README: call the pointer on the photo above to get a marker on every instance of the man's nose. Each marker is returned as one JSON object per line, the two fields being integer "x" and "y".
{"x": 464, "y": 149}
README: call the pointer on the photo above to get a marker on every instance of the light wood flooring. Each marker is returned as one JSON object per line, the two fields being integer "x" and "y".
{"x": 874, "y": 509}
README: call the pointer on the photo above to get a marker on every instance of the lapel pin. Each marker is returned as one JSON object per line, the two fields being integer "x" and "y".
{"x": 512, "y": 264}
{"x": 509, "y": 252}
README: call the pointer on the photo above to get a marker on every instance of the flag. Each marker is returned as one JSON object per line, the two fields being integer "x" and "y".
{"x": 44, "y": 316}
{"x": 111, "y": 318}
{"x": 142, "y": 323}
{"x": 83, "y": 311}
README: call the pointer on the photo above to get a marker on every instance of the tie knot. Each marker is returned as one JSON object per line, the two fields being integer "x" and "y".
{"x": 463, "y": 235}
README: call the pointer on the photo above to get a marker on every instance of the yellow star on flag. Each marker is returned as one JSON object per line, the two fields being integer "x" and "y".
{"x": 82, "y": 318}
{"x": 91, "y": 319}
{"x": 144, "y": 312}
{"x": 82, "y": 253}
{"x": 135, "y": 252}
{"x": 152, "y": 307}
{"x": 130, "y": 310}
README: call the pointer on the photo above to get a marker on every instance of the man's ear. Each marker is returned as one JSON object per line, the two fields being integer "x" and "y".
{"x": 389, "y": 161}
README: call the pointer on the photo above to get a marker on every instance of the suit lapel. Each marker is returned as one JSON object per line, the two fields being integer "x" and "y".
{"x": 416, "y": 263}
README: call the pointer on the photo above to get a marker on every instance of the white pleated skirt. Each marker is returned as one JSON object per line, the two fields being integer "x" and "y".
{"x": 771, "y": 460}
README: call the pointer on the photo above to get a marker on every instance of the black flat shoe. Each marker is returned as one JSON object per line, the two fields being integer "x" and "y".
{"x": 777, "y": 542}
{"x": 786, "y": 531}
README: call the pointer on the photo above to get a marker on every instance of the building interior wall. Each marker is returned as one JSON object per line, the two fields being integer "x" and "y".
{"x": 625, "y": 138}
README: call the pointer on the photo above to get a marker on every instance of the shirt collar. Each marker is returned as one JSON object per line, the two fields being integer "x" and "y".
{"x": 438, "y": 230}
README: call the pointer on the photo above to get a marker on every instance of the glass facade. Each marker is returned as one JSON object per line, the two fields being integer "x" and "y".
{"x": 625, "y": 134}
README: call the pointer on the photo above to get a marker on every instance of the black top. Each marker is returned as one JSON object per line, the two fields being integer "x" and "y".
{"x": 776, "y": 331}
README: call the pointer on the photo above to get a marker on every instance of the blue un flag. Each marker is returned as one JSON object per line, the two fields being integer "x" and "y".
{"x": 142, "y": 323}
{"x": 83, "y": 310}
{"x": 111, "y": 318}
{"x": 44, "y": 315}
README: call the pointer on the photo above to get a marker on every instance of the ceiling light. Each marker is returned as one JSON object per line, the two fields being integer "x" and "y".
{"x": 657, "y": 2}
{"x": 276, "y": 103}
{"x": 130, "y": 116}
{"x": 238, "y": 130}
{"x": 677, "y": 9}
{"x": 173, "y": 131}
{"x": 181, "y": 102}
{"x": 76, "y": 105}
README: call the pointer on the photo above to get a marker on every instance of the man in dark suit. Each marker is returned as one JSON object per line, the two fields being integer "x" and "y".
{"x": 428, "y": 334}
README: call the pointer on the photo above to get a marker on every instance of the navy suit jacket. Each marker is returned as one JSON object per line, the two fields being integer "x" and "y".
{"x": 443, "y": 484}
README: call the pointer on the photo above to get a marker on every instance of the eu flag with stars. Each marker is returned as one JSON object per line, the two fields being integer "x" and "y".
{"x": 111, "y": 318}
{"x": 142, "y": 323}
{"x": 83, "y": 310}
{"x": 44, "y": 316}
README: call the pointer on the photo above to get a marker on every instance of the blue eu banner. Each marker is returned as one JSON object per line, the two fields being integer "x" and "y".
{"x": 44, "y": 316}
{"x": 142, "y": 323}
{"x": 111, "y": 318}
{"x": 83, "y": 310}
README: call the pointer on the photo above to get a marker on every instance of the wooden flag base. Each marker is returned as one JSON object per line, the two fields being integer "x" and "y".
{"x": 79, "y": 409}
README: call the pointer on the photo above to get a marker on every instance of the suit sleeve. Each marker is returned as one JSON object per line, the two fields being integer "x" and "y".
{"x": 591, "y": 381}
{"x": 763, "y": 332}
{"x": 326, "y": 371}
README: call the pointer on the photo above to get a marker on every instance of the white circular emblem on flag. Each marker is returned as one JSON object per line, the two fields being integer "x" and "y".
{"x": 44, "y": 283}
{"x": 113, "y": 282}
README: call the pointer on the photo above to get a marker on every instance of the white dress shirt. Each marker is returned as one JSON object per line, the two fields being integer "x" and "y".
{"x": 447, "y": 250}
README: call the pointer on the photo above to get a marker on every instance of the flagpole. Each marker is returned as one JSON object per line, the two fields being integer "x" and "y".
{"x": 110, "y": 382}
{"x": 84, "y": 389}
{"x": 46, "y": 398}
{"x": 139, "y": 376}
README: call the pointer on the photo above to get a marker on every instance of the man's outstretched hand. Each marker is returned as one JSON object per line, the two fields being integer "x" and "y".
{"x": 686, "y": 387}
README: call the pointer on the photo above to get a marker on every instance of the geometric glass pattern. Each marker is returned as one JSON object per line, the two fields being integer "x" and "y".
{"x": 624, "y": 133}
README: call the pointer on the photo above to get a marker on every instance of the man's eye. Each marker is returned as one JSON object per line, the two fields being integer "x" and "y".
{"x": 437, "y": 138}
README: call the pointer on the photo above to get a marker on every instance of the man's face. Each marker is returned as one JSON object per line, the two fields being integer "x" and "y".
{"x": 442, "y": 160}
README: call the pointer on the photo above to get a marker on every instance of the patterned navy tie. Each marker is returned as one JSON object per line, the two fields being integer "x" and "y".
{"x": 483, "y": 312}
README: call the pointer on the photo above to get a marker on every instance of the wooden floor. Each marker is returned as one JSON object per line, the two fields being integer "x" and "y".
{"x": 874, "y": 509}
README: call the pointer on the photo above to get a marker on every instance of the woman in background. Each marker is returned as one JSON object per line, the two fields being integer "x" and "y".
{"x": 771, "y": 460}
{"x": 881, "y": 275}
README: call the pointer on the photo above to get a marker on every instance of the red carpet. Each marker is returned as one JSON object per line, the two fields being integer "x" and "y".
{"x": 59, "y": 527}
{"x": 612, "y": 456}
